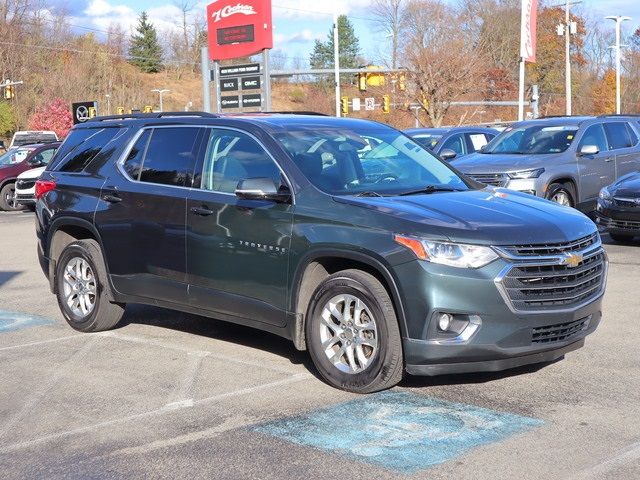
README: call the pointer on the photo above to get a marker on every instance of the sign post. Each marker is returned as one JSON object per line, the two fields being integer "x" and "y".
{"x": 528, "y": 23}
{"x": 239, "y": 28}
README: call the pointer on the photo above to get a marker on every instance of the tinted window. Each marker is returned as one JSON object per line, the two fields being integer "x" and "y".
{"x": 632, "y": 134}
{"x": 618, "y": 135}
{"x": 44, "y": 156}
{"x": 233, "y": 156}
{"x": 455, "y": 143}
{"x": 75, "y": 138}
{"x": 81, "y": 156}
{"x": 171, "y": 156}
{"x": 594, "y": 135}
{"x": 427, "y": 141}
{"x": 133, "y": 162}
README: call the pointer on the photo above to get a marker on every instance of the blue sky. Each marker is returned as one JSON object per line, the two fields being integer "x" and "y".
{"x": 297, "y": 23}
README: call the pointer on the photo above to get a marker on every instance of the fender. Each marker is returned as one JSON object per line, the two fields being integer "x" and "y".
{"x": 7, "y": 180}
{"x": 369, "y": 258}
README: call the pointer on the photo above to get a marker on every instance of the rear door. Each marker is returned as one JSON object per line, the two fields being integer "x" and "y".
{"x": 596, "y": 171}
{"x": 623, "y": 142}
{"x": 141, "y": 215}
{"x": 237, "y": 250}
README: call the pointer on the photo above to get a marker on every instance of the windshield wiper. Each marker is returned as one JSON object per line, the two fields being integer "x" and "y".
{"x": 430, "y": 189}
{"x": 368, "y": 193}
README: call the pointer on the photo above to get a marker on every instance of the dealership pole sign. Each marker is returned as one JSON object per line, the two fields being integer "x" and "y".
{"x": 239, "y": 28}
{"x": 528, "y": 28}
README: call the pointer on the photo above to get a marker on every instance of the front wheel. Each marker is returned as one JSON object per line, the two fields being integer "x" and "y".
{"x": 562, "y": 194}
{"x": 8, "y": 198}
{"x": 353, "y": 334}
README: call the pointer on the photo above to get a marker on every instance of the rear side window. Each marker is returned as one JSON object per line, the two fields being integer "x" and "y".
{"x": 618, "y": 135}
{"x": 81, "y": 155}
{"x": 75, "y": 138}
{"x": 170, "y": 156}
{"x": 632, "y": 134}
{"x": 133, "y": 163}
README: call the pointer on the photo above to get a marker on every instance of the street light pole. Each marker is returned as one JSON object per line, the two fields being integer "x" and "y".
{"x": 618, "y": 19}
{"x": 108, "y": 103}
{"x": 336, "y": 61}
{"x": 161, "y": 92}
{"x": 567, "y": 53}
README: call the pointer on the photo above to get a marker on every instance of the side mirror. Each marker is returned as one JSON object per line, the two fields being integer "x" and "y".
{"x": 262, "y": 189}
{"x": 448, "y": 154}
{"x": 589, "y": 150}
{"x": 35, "y": 162}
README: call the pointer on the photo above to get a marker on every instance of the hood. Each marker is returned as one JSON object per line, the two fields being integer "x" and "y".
{"x": 500, "y": 163}
{"x": 30, "y": 174}
{"x": 489, "y": 216}
{"x": 627, "y": 186}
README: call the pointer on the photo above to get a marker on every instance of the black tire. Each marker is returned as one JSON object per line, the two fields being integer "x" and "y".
{"x": 621, "y": 237}
{"x": 387, "y": 365}
{"x": 556, "y": 189}
{"x": 105, "y": 313}
{"x": 7, "y": 198}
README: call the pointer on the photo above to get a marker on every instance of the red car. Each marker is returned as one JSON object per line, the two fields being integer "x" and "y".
{"x": 17, "y": 160}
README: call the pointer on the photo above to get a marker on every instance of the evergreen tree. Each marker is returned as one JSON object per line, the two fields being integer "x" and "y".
{"x": 348, "y": 48}
{"x": 144, "y": 50}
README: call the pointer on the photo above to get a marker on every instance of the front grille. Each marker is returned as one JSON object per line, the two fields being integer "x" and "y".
{"x": 618, "y": 224}
{"x": 25, "y": 184}
{"x": 552, "y": 248}
{"x": 493, "y": 179}
{"x": 554, "y": 276}
{"x": 560, "y": 331}
{"x": 626, "y": 202}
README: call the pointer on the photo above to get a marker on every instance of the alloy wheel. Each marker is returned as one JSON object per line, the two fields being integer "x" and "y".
{"x": 561, "y": 198}
{"x": 79, "y": 285}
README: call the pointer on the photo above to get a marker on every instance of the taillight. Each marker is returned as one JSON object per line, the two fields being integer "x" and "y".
{"x": 44, "y": 186}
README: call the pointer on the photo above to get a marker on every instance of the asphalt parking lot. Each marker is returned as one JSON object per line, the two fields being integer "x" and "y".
{"x": 171, "y": 395}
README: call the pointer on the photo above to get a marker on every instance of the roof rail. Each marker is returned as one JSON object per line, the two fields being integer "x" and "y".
{"x": 619, "y": 115}
{"x": 133, "y": 116}
{"x": 562, "y": 116}
{"x": 281, "y": 112}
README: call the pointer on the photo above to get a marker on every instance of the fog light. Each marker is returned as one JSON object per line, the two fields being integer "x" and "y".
{"x": 444, "y": 321}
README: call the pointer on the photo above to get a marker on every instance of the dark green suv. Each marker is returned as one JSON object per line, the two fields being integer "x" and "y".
{"x": 343, "y": 235}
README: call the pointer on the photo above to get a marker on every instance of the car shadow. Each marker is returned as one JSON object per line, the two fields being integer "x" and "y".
{"x": 607, "y": 240}
{"x": 7, "y": 276}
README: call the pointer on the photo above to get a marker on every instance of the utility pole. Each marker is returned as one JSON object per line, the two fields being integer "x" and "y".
{"x": 336, "y": 61}
{"x": 161, "y": 92}
{"x": 618, "y": 19}
{"x": 567, "y": 29}
{"x": 108, "y": 97}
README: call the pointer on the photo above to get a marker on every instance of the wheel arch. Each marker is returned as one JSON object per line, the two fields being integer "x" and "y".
{"x": 565, "y": 179}
{"x": 318, "y": 265}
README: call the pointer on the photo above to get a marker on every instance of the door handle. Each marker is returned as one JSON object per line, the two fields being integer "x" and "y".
{"x": 202, "y": 211}
{"x": 609, "y": 159}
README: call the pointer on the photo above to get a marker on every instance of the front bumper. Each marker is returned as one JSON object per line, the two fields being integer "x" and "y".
{"x": 25, "y": 198}
{"x": 504, "y": 339}
{"x": 622, "y": 220}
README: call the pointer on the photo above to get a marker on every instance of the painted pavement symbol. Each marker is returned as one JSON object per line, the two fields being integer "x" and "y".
{"x": 12, "y": 321}
{"x": 399, "y": 431}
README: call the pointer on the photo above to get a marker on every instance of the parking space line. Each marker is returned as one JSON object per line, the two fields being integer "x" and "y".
{"x": 41, "y": 342}
{"x": 631, "y": 454}
{"x": 217, "y": 356}
{"x": 39, "y": 395}
{"x": 183, "y": 392}
{"x": 159, "y": 411}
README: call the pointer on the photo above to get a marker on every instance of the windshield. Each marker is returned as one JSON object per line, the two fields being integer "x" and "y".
{"x": 533, "y": 140}
{"x": 427, "y": 140}
{"x": 13, "y": 155}
{"x": 368, "y": 160}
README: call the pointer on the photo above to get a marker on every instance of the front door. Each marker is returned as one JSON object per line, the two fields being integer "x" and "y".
{"x": 596, "y": 171}
{"x": 237, "y": 250}
{"x": 141, "y": 215}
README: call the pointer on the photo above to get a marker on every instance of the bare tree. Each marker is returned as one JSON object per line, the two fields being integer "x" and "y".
{"x": 390, "y": 18}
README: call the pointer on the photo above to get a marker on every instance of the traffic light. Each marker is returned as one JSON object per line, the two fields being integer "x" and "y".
{"x": 147, "y": 109}
{"x": 402, "y": 82}
{"x": 9, "y": 93}
{"x": 386, "y": 103}
{"x": 120, "y": 110}
{"x": 92, "y": 112}
{"x": 362, "y": 82}
{"x": 344, "y": 105}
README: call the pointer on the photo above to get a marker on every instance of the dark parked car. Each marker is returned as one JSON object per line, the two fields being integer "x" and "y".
{"x": 564, "y": 159}
{"x": 275, "y": 221}
{"x": 18, "y": 160}
{"x": 456, "y": 142}
{"x": 619, "y": 208}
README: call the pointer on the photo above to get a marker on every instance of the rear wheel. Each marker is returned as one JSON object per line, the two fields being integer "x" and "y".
{"x": 562, "y": 194}
{"x": 83, "y": 290}
{"x": 353, "y": 335}
{"x": 8, "y": 198}
{"x": 621, "y": 237}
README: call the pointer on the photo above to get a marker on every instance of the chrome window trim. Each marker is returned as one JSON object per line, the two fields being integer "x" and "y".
{"x": 121, "y": 160}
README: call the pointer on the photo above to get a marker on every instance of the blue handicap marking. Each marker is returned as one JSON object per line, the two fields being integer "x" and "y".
{"x": 12, "y": 321}
{"x": 399, "y": 431}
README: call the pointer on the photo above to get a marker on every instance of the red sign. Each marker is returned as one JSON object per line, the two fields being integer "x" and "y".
{"x": 528, "y": 27}
{"x": 238, "y": 28}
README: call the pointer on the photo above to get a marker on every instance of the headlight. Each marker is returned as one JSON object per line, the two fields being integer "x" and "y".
{"x": 524, "y": 174}
{"x": 605, "y": 194}
{"x": 453, "y": 254}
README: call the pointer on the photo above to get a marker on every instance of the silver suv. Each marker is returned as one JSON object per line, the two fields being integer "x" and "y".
{"x": 564, "y": 159}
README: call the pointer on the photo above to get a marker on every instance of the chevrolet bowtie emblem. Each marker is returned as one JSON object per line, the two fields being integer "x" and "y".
{"x": 572, "y": 260}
